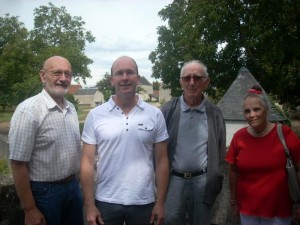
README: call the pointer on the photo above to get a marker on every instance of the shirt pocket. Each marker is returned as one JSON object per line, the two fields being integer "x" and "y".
{"x": 145, "y": 132}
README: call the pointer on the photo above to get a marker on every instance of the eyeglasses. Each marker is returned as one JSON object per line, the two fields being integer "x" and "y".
{"x": 195, "y": 78}
{"x": 59, "y": 73}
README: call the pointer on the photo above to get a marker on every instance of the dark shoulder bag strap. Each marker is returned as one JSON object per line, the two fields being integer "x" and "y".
{"x": 281, "y": 137}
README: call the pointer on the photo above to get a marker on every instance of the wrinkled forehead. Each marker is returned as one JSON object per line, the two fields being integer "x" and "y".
{"x": 57, "y": 63}
{"x": 192, "y": 69}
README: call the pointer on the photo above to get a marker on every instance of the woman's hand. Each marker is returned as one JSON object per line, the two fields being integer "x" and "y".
{"x": 296, "y": 212}
{"x": 234, "y": 207}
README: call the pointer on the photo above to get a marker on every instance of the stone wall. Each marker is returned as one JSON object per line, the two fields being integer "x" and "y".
{"x": 12, "y": 214}
{"x": 10, "y": 210}
{"x": 222, "y": 214}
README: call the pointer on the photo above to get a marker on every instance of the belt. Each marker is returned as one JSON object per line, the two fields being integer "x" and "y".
{"x": 62, "y": 181}
{"x": 188, "y": 175}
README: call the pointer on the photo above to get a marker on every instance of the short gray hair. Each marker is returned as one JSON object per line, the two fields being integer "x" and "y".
{"x": 196, "y": 62}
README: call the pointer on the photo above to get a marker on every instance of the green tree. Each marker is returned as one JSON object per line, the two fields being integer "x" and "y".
{"x": 55, "y": 32}
{"x": 227, "y": 35}
{"x": 71, "y": 98}
{"x": 16, "y": 59}
{"x": 104, "y": 85}
{"x": 140, "y": 89}
{"x": 155, "y": 85}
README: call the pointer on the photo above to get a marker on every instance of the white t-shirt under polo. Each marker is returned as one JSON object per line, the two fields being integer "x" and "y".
{"x": 125, "y": 169}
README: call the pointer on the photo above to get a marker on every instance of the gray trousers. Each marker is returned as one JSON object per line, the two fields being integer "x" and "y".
{"x": 185, "y": 199}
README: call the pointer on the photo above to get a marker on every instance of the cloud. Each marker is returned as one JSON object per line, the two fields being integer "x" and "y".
{"x": 121, "y": 27}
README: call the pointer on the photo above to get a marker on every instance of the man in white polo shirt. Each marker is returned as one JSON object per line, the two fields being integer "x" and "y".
{"x": 129, "y": 136}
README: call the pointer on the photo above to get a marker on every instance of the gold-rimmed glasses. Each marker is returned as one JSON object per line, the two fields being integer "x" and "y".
{"x": 59, "y": 73}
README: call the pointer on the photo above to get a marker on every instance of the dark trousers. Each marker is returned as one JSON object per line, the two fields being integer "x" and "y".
{"x": 61, "y": 203}
{"x": 116, "y": 214}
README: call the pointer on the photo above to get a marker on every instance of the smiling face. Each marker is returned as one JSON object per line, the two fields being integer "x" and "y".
{"x": 56, "y": 77}
{"x": 124, "y": 77}
{"x": 255, "y": 112}
{"x": 193, "y": 82}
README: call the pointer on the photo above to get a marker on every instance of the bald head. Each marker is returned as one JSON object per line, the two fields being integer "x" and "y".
{"x": 54, "y": 60}
{"x": 123, "y": 59}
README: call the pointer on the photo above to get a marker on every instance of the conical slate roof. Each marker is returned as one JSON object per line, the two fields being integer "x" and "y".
{"x": 231, "y": 102}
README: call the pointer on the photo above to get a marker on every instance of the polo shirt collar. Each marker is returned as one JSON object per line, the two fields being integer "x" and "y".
{"x": 186, "y": 108}
{"x": 112, "y": 104}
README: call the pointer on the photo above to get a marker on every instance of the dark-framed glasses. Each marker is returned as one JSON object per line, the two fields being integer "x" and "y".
{"x": 195, "y": 78}
{"x": 59, "y": 73}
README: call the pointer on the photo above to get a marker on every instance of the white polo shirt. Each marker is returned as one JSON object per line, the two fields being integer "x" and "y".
{"x": 125, "y": 169}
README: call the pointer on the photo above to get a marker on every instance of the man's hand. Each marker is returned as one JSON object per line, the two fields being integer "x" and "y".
{"x": 158, "y": 214}
{"x": 93, "y": 215}
{"x": 34, "y": 217}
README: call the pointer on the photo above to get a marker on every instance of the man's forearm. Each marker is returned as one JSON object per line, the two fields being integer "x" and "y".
{"x": 22, "y": 184}
{"x": 87, "y": 183}
{"x": 162, "y": 180}
{"x": 87, "y": 174}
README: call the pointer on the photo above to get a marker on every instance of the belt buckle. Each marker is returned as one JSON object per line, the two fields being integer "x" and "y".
{"x": 187, "y": 175}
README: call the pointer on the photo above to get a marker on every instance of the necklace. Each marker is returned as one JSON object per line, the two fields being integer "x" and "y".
{"x": 259, "y": 134}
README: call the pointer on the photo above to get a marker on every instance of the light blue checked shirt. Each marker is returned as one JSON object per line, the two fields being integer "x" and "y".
{"x": 46, "y": 137}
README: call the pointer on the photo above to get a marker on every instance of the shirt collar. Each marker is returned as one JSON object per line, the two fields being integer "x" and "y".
{"x": 186, "y": 108}
{"x": 112, "y": 104}
{"x": 50, "y": 102}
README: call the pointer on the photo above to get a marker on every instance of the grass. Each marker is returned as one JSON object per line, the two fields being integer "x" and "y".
{"x": 82, "y": 113}
{"x": 5, "y": 116}
{"x": 4, "y": 167}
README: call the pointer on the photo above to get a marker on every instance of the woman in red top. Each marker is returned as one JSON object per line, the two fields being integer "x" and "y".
{"x": 257, "y": 177}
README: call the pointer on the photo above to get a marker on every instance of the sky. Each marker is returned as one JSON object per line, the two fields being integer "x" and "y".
{"x": 121, "y": 27}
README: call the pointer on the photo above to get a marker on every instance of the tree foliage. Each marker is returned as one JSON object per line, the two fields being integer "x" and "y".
{"x": 22, "y": 52}
{"x": 16, "y": 60}
{"x": 56, "y": 32}
{"x": 227, "y": 35}
{"x": 104, "y": 85}
{"x": 155, "y": 85}
{"x": 71, "y": 98}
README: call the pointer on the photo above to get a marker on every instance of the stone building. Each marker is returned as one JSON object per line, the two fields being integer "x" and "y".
{"x": 89, "y": 96}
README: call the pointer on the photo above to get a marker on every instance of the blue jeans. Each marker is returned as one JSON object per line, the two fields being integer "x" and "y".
{"x": 185, "y": 198}
{"x": 116, "y": 214}
{"x": 61, "y": 204}
{"x": 256, "y": 220}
